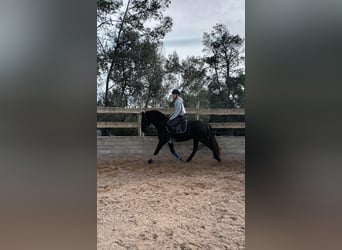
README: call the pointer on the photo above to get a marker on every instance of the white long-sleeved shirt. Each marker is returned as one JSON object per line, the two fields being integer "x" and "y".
{"x": 179, "y": 108}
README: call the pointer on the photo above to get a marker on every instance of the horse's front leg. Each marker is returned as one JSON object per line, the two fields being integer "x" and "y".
{"x": 159, "y": 146}
{"x": 194, "y": 150}
{"x": 172, "y": 150}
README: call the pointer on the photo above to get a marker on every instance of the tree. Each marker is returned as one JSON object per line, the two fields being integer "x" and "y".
{"x": 193, "y": 81}
{"x": 226, "y": 80}
{"x": 122, "y": 28}
{"x": 188, "y": 76}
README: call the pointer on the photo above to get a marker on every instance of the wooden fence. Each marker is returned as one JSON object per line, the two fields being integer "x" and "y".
{"x": 193, "y": 111}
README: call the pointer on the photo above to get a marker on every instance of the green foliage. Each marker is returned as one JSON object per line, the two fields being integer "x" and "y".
{"x": 128, "y": 48}
{"x": 193, "y": 74}
{"x": 108, "y": 5}
{"x": 226, "y": 79}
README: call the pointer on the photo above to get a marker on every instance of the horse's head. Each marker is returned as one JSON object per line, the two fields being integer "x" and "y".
{"x": 145, "y": 122}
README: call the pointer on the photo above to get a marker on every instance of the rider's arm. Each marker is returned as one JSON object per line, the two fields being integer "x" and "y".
{"x": 177, "y": 111}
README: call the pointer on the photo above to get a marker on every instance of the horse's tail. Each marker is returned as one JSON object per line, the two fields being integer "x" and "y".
{"x": 212, "y": 140}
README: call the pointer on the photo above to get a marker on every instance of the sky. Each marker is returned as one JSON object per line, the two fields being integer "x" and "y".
{"x": 191, "y": 18}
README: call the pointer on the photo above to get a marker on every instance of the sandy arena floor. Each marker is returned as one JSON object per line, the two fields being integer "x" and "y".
{"x": 170, "y": 204}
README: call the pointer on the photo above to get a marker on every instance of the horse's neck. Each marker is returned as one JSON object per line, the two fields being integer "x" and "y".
{"x": 159, "y": 122}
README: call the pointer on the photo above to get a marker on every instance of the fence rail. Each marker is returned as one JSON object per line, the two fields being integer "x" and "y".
{"x": 197, "y": 112}
{"x": 116, "y": 110}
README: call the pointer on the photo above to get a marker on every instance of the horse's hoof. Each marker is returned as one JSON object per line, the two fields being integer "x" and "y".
{"x": 150, "y": 161}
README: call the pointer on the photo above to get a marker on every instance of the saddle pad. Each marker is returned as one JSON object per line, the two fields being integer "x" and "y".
{"x": 182, "y": 126}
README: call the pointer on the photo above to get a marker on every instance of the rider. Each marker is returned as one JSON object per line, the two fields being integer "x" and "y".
{"x": 177, "y": 115}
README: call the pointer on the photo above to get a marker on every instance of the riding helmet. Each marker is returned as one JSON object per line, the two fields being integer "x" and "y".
{"x": 175, "y": 92}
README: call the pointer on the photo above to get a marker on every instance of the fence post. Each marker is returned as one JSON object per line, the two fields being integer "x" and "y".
{"x": 198, "y": 106}
{"x": 139, "y": 122}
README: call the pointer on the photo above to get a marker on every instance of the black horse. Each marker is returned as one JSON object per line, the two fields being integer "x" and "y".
{"x": 196, "y": 130}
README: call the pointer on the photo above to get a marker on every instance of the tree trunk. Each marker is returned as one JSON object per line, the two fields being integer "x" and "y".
{"x": 115, "y": 51}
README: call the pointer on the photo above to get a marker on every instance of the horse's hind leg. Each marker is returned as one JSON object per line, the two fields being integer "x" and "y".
{"x": 194, "y": 150}
{"x": 215, "y": 154}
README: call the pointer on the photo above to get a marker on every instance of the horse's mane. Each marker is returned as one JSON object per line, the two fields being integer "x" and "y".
{"x": 156, "y": 113}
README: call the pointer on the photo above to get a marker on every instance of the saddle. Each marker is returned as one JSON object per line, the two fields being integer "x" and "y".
{"x": 180, "y": 127}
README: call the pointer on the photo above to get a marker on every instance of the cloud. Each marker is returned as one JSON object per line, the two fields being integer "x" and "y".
{"x": 182, "y": 41}
{"x": 194, "y": 17}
